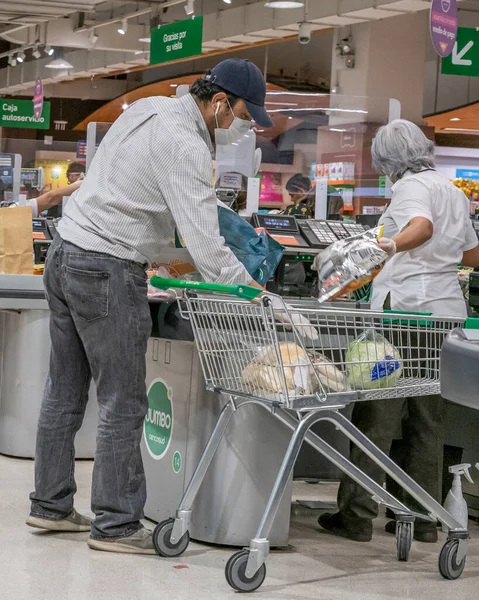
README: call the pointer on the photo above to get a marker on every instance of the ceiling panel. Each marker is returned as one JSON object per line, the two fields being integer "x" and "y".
{"x": 273, "y": 33}
{"x": 294, "y": 27}
{"x": 219, "y": 44}
{"x": 339, "y": 21}
{"x": 246, "y": 39}
{"x": 407, "y": 5}
{"x": 373, "y": 14}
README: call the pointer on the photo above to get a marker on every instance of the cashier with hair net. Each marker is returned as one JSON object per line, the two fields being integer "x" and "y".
{"x": 428, "y": 233}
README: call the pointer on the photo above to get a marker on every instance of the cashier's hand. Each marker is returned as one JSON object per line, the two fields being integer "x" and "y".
{"x": 389, "y": 246}
{"x": 283, "y": 313}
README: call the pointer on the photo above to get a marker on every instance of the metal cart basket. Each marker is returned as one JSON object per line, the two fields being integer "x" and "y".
{"x": 299, "y": 361}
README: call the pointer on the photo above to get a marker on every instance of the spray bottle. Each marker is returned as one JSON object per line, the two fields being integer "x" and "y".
{"x": 455, "y": 503}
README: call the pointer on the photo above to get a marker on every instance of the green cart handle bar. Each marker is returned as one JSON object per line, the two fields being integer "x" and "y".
{"x": 241, "y": 291}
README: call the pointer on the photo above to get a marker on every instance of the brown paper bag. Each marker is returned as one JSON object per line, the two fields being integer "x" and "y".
{"x": 16, "y": 240}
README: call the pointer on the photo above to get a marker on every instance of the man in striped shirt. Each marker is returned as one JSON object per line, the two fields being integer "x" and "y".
{"x": 152, "y": 172}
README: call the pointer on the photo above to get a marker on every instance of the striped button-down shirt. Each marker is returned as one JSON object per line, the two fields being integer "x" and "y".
{"x": 152, "y": 171}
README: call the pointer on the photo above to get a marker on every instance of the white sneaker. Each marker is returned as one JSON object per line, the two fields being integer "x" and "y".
{"x": 139, "y": 542}
{"x": 75, "y": 523}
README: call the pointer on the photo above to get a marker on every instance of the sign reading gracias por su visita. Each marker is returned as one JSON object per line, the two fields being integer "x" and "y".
{"x": 181, "y": 39}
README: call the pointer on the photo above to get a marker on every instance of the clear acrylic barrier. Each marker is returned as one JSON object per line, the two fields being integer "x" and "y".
{"x": 327, "y": 139}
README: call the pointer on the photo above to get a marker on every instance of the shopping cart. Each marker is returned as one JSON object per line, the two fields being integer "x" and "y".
{"x": 297, "y": 362}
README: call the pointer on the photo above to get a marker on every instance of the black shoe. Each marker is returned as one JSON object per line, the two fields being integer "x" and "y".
{"x": 424, "y": 532}
{"x": 333, "y": 523}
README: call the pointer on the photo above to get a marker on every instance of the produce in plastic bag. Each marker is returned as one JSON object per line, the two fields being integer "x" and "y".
{"x": 330, "y": 377}
{"x": 349, "y": 264}
{"x": 263, "y": 372}
{"x": 372, "y": 362}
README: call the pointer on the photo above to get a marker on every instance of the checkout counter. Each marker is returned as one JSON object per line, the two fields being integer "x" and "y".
{"x": 182, "y": 413}
{"x": 24, "y": 357}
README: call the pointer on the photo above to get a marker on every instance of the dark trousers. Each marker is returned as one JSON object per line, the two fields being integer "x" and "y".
{"x": 99, "y": 327}
{"x": 423, "y": 437}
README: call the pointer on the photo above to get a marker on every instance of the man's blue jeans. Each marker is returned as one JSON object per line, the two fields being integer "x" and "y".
{"x": 99, "y": 327}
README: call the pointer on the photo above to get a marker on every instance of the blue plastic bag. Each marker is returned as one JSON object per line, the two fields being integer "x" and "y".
{"x": 260, "y": 254}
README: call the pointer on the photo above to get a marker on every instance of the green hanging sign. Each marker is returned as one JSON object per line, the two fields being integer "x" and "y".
{"x": 181, "y": 39}
{"x": 19, "y": 113}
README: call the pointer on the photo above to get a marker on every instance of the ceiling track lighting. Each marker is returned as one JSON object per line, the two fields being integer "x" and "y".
{"x": 21, "y": 56}
{"x": 190, "y": 7}
{"x": 227, "y": 1}
{"x": 49, "y": 51}
{"x": 12, "y": 61}
{"x": 36, "y": 52}
{"x": 123, "y": 27}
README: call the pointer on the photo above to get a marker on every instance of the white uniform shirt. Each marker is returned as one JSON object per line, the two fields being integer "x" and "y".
{"x": 153, "y": 171}
{"x": 425, "y": 279}
{"x": 32, "y": 204}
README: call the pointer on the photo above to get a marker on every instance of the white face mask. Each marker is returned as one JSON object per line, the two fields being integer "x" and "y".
{"x": 235, "y": 131}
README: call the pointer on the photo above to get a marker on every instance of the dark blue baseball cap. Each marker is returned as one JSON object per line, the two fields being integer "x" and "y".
{"x": 243, "y": 79}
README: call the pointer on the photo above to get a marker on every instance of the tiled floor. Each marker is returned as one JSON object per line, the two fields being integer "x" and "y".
{"x": 39, "y": 566}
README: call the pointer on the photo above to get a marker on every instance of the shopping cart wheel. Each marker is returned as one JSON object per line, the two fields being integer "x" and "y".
{"x": 403, "y": 540}
{"x": 235, "y": 573}
{"x": 162, "y": 540}
{"x": 448, "y": 566}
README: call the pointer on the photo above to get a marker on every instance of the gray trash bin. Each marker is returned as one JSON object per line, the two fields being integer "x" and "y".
{"x": 459, "y": 367}
{"x": 181, "y": 416}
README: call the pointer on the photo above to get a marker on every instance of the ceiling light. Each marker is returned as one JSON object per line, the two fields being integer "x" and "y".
{"x": 124, "y": 106}
{"x": 227, "y": 1}
{"x": 173, "y": 85}
{"x": 93, "y": 37}
{"x": 49, "y": 50}
{"x": 455, "y": 119}
{"x": 145, "y": 40}
{"x": 12, "y": 61}
{"x": 139, "y": 52}
{"x": 36, "y": 52}
{"x": 123, "y": 27}
{"x": 284, "y": 4}
{"x": 59, "y": 63}
{"x": 190, "y": 7}
{"x": 21, "y": 56}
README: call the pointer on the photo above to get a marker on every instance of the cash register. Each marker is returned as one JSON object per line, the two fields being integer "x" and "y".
{"x": 43, "y": 232}
{"x": 303, "y": 239}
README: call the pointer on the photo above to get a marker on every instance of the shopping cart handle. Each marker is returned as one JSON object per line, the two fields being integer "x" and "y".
{"x": 241, "y": 291}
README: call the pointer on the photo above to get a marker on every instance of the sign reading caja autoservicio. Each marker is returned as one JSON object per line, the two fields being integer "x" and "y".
{"x": 181, "y": 39}
{"x": 19, "y": 113}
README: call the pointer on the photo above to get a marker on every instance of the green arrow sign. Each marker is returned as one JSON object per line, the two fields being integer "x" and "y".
{"x": 464, "y": 59}
{"x": 176, "y": 40}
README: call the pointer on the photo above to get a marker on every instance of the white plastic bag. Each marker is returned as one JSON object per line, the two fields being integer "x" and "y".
{"x": 372, "y": 362}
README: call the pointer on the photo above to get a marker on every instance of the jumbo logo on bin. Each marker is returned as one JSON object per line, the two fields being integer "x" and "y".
{"x": 158, "y": 424}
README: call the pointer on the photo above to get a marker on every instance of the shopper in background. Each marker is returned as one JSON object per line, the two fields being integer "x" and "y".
{"x": 151, "y": 172}
{"x": 429, "y": 233}
{"x": 75, "y": 171}
{"x": 299, "y": 189}
{"x": 49, "y": 199}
